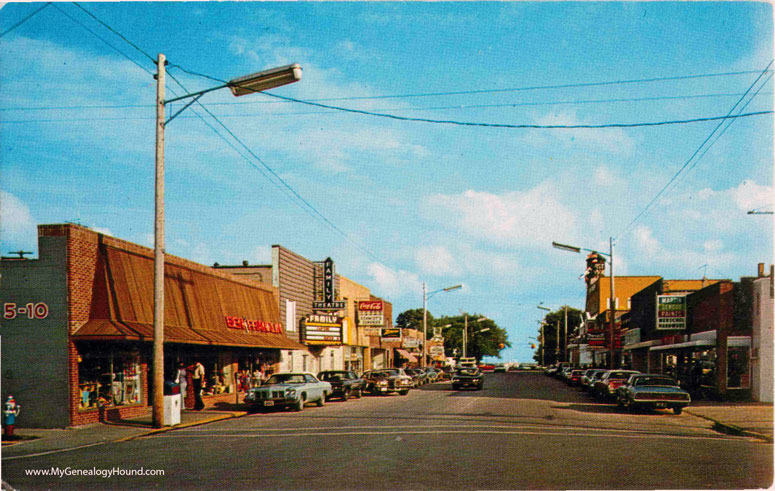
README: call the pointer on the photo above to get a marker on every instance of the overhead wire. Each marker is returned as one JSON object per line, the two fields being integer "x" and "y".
{"x": 25, "y": 19}
{"x": 697, "y": 151}
{"x": 315, "y": 213}
{"x": 414, "y": 108}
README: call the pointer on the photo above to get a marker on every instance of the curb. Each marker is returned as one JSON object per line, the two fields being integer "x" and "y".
{"x": 156, "y": 431}
{"x": 730, "y": 429}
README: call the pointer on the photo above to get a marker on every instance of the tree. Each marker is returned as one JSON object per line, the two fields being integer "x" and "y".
{"x": 484, "y": 338}
{"x": 554, "y": 348}
{"x": 412, "y": 319}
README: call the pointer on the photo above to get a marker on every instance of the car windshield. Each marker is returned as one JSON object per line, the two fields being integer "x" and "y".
{"x": 332, "y": 376}
{"x": 376, "y": 374}
{"x": 286, "y": 378}
{"x": 655, "y": 381}
{"x": 467, "y": 371}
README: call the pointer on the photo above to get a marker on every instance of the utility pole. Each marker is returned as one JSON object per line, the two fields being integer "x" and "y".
{"x": 158, "y": 253}
{"x": 565, "y": 336}
{"x": 612, "y": 309}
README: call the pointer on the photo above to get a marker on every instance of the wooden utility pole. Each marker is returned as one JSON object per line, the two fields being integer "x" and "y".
{"x": 158, "y": 253}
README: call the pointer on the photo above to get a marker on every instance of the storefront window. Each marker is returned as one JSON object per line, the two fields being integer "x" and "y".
{"x": 738, "y": 368}
{"x": 109, "y": 379}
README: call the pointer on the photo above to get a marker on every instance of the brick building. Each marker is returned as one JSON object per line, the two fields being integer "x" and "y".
{"x": 78, "y": 327}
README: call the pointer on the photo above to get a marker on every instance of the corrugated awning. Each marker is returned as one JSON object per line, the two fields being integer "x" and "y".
{"x": 202, "y": 306}
{"x": 112, "y": 330}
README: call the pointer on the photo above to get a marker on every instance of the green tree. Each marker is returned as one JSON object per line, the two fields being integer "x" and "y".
{"x": 554, "y": 347}
{"x": 484, "y": 338}
{"x": 412, "y": 319}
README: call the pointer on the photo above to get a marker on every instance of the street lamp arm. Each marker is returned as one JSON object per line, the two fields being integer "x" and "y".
{"x": 448, "y": 289}
{"x": 575, "y": 249}
{"x": 182, "y": 108}
{"x": 195, "y": 94}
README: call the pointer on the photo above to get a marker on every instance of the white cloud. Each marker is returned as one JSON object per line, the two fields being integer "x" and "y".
{"x": 530, "y": 218}
{"x": 102, "y": 230}
{"x": 751, "y": 196}
{"x": 611, "y": 140}
{"x": 436, "y": 260}
{"x": 392, "y": 283}
{"x": 18, "y": 228}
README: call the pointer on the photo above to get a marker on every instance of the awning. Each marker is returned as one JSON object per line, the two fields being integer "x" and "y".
{"x": 407, "y": 355}
{"x": 688, "y": 344}
{"x": 644, "y": 344}
{"x": 113, "y": 330}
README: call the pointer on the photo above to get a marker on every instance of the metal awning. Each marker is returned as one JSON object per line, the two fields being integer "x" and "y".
{"x": 407, "y": 355}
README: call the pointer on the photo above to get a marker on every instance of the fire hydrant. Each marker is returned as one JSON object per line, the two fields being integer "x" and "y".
{"x": 10, "y": 411}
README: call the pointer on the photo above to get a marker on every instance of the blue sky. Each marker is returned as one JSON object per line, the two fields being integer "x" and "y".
{"x": 435, "y": 203}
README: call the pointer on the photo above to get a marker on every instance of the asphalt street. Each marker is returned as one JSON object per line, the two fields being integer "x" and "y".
{"x": 523, "y": 431}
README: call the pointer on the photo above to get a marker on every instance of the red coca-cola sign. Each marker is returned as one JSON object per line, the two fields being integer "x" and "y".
{"x": 370, "y": 305}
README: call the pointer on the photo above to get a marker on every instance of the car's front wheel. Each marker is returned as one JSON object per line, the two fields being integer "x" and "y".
{"x": 359, "y": 393}
{"x": 345, "y": 394}
{"x": 322, "y": 400}
{"x": 299, "y": 406}
{"x": 678, "y": 409}
{"x": 403, "y": 392}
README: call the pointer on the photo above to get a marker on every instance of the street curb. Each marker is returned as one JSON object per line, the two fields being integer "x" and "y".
{"x": 231, "y": 415}
{"x": 732, "y": 429}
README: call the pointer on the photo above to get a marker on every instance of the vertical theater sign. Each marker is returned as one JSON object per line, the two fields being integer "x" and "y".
{"x": 324, "y": 326}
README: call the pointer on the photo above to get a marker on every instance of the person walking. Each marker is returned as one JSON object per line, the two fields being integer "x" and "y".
{"x": 198, "y": 378}
{"x": 182, "y": 381}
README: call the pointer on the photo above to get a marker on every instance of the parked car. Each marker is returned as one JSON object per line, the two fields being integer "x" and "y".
{"x": 446, "y": 373}
{"x": 433, "y": 374}
{"x": 551, "y": 370}
{"x": 386, "y": 381}
{"x": 344, "y": 383}
{"x": 289, "y": 390}
{"x": 588, "y": 379}
{"x": 468, "y": 377}
{"x": 564, "y": 373}
{"x": 418, "y": 376}
{"x": 605, "y": 388}
{"x": 574, "y": 377}
{"x": 653, "y": 392}
{"x": 500, "y": 368}
{"x": 487, "y": 368}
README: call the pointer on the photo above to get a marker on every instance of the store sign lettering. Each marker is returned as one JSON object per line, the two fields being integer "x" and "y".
{"x": 251, "y": 325}
{"x": 31, "y": 310}
{"x": 671, "y": 312}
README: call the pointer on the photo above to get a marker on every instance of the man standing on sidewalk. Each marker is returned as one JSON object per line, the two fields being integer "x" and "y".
{"x": 198, "y": 378}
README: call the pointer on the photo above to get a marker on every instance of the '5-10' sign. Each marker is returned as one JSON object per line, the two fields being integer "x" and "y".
{"x": 32, "y": 311}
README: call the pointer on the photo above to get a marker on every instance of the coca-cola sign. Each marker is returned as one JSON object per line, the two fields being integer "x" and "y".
{"x": 370, "y": 305}
{"x": 371, "y": 313}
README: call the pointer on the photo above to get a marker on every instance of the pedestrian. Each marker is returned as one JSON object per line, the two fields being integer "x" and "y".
{"x": 198, "y": 378}
{"x": 10, "y": 411}
{"x": 182, "y": 380}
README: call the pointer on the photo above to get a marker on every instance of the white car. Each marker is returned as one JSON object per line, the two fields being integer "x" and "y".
{"x": 289, "y": 390}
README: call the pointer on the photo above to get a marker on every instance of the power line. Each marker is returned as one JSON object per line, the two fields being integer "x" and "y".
{"x": 686, "y": 164}
{"x": 310, "y": 209}
{"x": 415, "y": 108}
{"x": 30, "y": 16}
{"x": 140, "y": 50}
{"x": 515, "y": 89}
{"x": 518, "y": 126}
{"x": 317, "y": 213}
{"x": 101, "y": 39}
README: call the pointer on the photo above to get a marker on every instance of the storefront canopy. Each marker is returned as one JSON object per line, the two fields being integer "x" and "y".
{"x": 407, "y": 355}
{"x": 202, "y": 306}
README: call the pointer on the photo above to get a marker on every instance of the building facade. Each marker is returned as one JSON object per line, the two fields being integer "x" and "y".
{"x": 78, "y": 327}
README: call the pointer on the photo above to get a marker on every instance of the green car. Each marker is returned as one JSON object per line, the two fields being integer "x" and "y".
{"x": 468, "y": 377}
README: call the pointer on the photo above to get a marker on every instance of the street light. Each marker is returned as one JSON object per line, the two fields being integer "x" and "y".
{"x": 612, "y": 309}
{"x": 465, "y": 332}
{"x": 256, "y": 82}
{"x": 425, "y": 297}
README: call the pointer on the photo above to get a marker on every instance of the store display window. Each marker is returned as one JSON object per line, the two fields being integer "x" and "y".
{"x": 738, "y": 368}
{"x": 109, "y": 378}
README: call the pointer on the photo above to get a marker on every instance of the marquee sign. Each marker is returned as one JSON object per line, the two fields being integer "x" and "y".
{"x": 671, "y": 312}
{"x": 322, "y": 329}
{"x": 371, "y": 313}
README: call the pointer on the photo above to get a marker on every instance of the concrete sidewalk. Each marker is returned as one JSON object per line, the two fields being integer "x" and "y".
{"x": 752, "y": 419}
{"x": 42, "y": 441}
